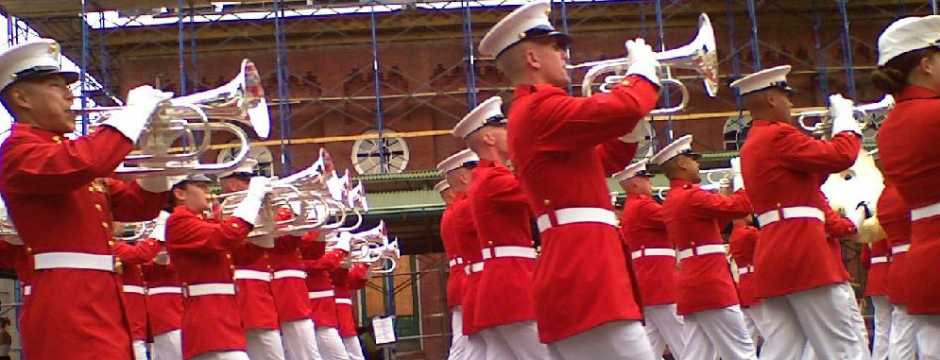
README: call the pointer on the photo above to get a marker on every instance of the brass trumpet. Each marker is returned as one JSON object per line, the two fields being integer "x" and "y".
{"x": 241, "y": 100}
{"x": 822, "y": 127}
{"x": 700, "y": 55}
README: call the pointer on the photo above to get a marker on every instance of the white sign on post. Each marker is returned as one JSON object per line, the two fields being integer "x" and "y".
{"x": 384, "y": 329}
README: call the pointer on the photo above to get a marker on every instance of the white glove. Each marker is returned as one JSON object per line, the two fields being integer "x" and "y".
{"x": 737, "y": 182}
{"x": 340, "y": 241}
{"x": 142, "y": 104}
{"x": 159, "y": 230}
{"x": 250, "y": 207}
{"x": 639, "y": 132}
{"x": 156, "y": 184}
{"x": 843, "y": 116}
{"x": 859, "y": 215}
{"x": 642, "y": 60}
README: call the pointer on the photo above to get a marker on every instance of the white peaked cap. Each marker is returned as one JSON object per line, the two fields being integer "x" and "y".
{"x": 906, "y": 35}
{"x": 764, "y": 79}
{"x": 34, "y": 58}
{"x": 681, "y": 146}
{"x": 441, "y": 186}
{"x": 246, "y": 167}
{"x": 529, "y": 21}
{"x": 488, "y": 112}
{"x": 636, "y": 169}
{"x": 457, "y": 160}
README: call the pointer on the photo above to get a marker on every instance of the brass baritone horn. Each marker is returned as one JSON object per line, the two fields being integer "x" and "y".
{"x": 700, "y": 55}
{"x": 241, "y": 100}
{"x": 821, "y": 127}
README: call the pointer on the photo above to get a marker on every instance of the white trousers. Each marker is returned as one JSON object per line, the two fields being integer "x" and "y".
{"x": 820, "y": 316}
{"x": 140, "y": 349}
{"x": 353, "y": 348}
{"x": 860, "y": 328}
{"x": 300, "y": 340}
{"x": 664, "y": 327}
{"x": 927, "y": 333}
{"x": 618, "y": 340}
{"x": 168, "y": 346}
{"x": 264, "y": 344}
{"x": 223, "y": 355}
{"x": 718, "y": 333}
{"x": 461, "y": 347}
{"x": 518, "y": 341}
{"x": 752, "y": 318}
{"x": 882, "y": 343}
{"x": 903, "y": 339}
{"x": 331, "y": 345}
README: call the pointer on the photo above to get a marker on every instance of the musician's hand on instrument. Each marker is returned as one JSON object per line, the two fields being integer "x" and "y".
{"x": 258, "y": 187}
{"x": 142, "y": 104}
{"x": 642, "y": 60}
{"x": 843, "y": 115}
{"x": 340, "y": 242}
{"x": 250, "y": 207}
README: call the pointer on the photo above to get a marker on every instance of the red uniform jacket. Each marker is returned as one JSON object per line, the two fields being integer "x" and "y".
{"x": 563, "y": 148}
{"x": 504, "y": 295}
{"x": 457, "y": 278}
{"x": 910, "y": 158}
{"x": 895, "y": 219}
{"x": 643, "y": 227}
{"x": 165, "y": 311}
{"x": 345, "y": 281}
{"x": 838, "y": 228}
{"x": 741, "y": 246}
{"x": 877, "y": 284}
{"x": 201, "y": 252}
{"x": 290, "y": 293}
{"x": 783, "y": 167}
{"x": 694, "y": 217}
{"x": 471, "y": 252}
{"x": 320, "y": 263}
{"x": 255, "y": 297}
{"x": 132, "y": 279}
{"x": 49, "y": 186}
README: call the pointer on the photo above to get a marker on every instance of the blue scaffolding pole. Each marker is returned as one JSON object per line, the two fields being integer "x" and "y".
{"x": 377, "y": 79}
{"x": 735, "y": 71}
{"x": 933, "y": 7}
{"x": 847, "y": 50}
{"x": 104, "y": 74}
{"x": 662, "y": 46}
{"x": 181, "y": 45}
{"x": 821, "y": 72}
{"x": 755, "y": 42}
{"x": 283, "y": 93}
{"x": 471, "y": 59}
{"x": 193, "y": 65}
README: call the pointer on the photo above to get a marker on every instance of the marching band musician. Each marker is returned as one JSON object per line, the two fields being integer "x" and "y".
{"x": 346, "y": 279}
{"x": 164, "y": 307}
{"x": 201, "y": 251}
{"x": 909, "y": 69}
{"x": 707, "y": 297}
{"x": 802, "y": 286}
{"x": 876, "y": 259}
{"x": 253, "y": 282}
{"x": 50, "y": 183}
{"x": 895, "y": 218}
{"x": 290, "y": 294}
{"x": 459, "y": 347}
{"x": 585, "y": 307}
{"x": 320, "y": 260}
{"x": 741, "y": 246}
{"x": 459, "y": 225}
{"x": 132, "y": 279}
{"x": 505, "y": 313}
{"x": 654, "y": 260}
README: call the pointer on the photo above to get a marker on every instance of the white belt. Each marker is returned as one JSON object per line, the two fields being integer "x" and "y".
{"x": 473, "y": 268}
{"x": 73, "y": 260}
{"x": 456, "y": 261}
{"x": 925, "y": 212}
{"x": 27, "y": 290}
{"x": 703, "y": 250}
{"x": 252, "y": 275}
{"x": 210, "y": 289}
{"x": 134, "y": 289}
{"x": 344, "y": 301}
{"x": 290, "y": 274}
{"x": 900, "y": 249}
{"x": 879, "y": 260}
{"x": 509, "y": 251}
{"x": 577, "y": 215}
{"x": 320, "y": 294}
{"x": 746, "y": 270}
{"x": 164, "y": 290}
{"x": 773, "y": 216}
{"x": 652, "y": 252}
